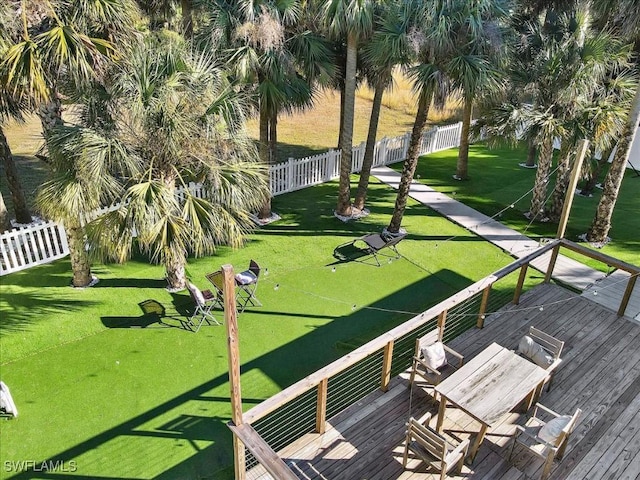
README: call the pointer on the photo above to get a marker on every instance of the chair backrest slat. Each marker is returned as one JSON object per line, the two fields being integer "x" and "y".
{"x": 427, "y": 339}
{"x": 549, "y": 343}
{"x": 255, "y": 268}
{"x": 428, "y": 439}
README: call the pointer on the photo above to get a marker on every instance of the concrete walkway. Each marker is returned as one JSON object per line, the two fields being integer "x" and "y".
{"x": 567, "y": 271}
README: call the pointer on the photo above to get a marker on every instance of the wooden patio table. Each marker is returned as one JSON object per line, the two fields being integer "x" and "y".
{"x": 488, "y": 386}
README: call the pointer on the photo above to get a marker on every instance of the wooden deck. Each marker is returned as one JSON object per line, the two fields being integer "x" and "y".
{"x": 600, "y": 374}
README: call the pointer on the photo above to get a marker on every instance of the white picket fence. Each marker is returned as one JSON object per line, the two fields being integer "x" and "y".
{"x": 44, "y": 242}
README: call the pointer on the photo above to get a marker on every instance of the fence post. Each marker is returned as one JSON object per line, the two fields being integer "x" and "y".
{"x": 382, "y": 147}
{"x": 387, "y": 359}
{"x": 459, "y": 133}
{"x": 483, "y": 306}
{"x": 290, "y": 174}
{"x": 321, "y": 406}
{"x": 405, "y": 144}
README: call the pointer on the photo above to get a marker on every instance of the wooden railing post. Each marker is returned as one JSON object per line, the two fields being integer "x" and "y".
{"x": 233, "y": 355}
{"x": 627, "y": 294}
{"x": 483, "y": 306}
{"x": 442, "y": 319}
{"x": 552, "y": 263}
{"x": 581, "y": 151}
{"x": 321, "y": 406}
{"x": 387, "y": 359}
{"x": 521, "y": 278}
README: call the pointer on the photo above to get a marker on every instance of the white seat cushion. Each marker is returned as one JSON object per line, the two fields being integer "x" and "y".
{"x": 434, "y": 355}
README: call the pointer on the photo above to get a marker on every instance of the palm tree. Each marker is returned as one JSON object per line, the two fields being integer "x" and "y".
{"x": 592, "y": 61}
{"x": 275, "y": 55}
{"x": 621, "y": 17}
{"x": 479, "y": 51}
{"x": 437, "y": 29}
{"x": 60, "y": 43}
{"x": 181, "y": 120}
{"x": 601, "y": 224}
{"x": 388, "y": 48}
{"x": 350, "y": 20}
{"x": 85, "y": 170}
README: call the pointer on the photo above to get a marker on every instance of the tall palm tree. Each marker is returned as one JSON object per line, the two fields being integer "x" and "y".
{"x": 438, "y": 27}
{"x": 351, "y": 21}
{"x": 601, "y": 224}
{"x": 388, "y": 48}
{"x": 181, "y": 120}
{"x": 476, "y": 63}
{"x": 86, "y": 167}
{"x": 591, "y": 63}
{"x": 622, "y": 17}
{"x": 272, "y": 50}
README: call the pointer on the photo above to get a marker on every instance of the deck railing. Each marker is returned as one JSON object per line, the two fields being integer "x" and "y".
{"x": 285, "y": 177}
{"x": 305, "y": 406}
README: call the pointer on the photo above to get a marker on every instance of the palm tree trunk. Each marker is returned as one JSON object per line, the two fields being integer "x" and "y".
{"x": 367, "y": 161}
{"x": 540, "y": 187}
{"x": 563, "y": 176}
{"x": 5, "y": 223}
{"x": 174, "y": 257}
{"x": 462, "y": 166}
{"x": 594, "y": 174}
{"x": 187, "y": 18}
{"x": 174, "y": 264}
{"x": 410, "y": 163}
{"x": 11, "y": 172}
{"x": 50, "y": 114}
{"x": 346, "y": 145}
{"x": 601, "y": 224}
{"x": 80, "y": 265}
{"x": 341, "y": 126}
{"x": 531, "y": 154}
{"x": 264, "y": 152}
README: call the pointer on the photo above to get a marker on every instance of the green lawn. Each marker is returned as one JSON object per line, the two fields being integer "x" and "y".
{"x": 497, "y": 182}
{"x": 117, "y": 394}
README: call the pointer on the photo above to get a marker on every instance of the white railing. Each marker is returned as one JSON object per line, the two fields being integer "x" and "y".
{"x": 47, "y": 241}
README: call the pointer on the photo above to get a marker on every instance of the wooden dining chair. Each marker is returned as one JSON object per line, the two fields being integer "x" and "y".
{"x": 437, "y": 452}
{"x": 433, "y": 361}
{"x": 546, "y": 438}
{"x": 543, "y": 350}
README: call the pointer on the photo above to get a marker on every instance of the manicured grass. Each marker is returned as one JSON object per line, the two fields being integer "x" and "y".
{"x": 497, "y": 182}
{"x": 124, "y": 395}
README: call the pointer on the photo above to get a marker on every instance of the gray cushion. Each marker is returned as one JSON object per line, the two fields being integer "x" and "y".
{"x": 434, "y": 355}
{"x": 245, "y": 278}
{"x": 534, "y": 351}
{"x": 551, "y": 431}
